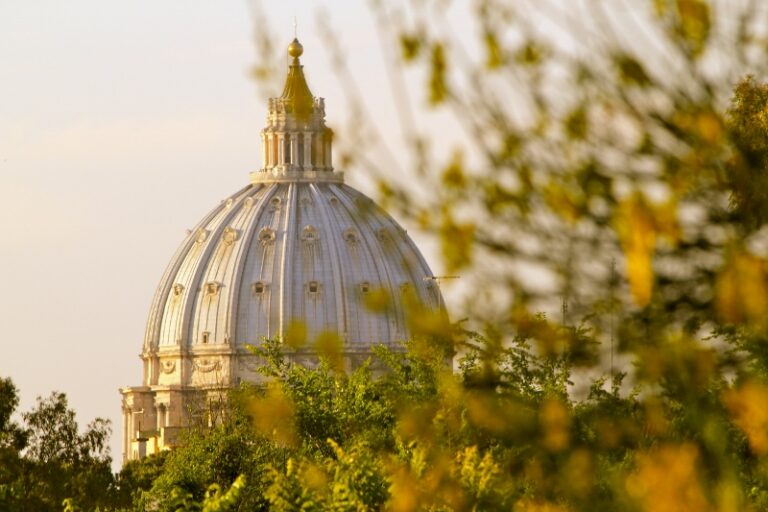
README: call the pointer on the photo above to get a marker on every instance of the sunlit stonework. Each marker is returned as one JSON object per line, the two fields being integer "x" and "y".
{"x": 296, "y": 244}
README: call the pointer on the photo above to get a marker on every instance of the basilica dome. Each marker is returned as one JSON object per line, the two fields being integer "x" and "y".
{"x": 294, "y": 246}
{"x": 282, "y": 250}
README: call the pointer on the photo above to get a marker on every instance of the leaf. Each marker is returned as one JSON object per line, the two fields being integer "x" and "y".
{"x": 453, "y": 175}
{"x": 296, "y": 335}
{"x": 746, "y": 405}
{"x": 457, "y": 243}
{"x": 377, "y": 300}
{"x": 694, "y": 23}
{"x": 410, "y": 47}
{"x": 741, "y": 293}
{"x": 438, "y": 89}
{"x": 576, "y": 123}
{"x": 631, "y": 71}
{"x": 329, "y": 346}
{"x": 273, "y": 416}
{"x": 668, "y": 475}
{"x": 493, "y": 51}
{"x": 555, "y": 424}
{"x": 530, "y": 54}
{"x": 637, "y": 234}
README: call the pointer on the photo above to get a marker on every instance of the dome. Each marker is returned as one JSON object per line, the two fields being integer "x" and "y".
{"x": 278, "y": 252}
{"x": 296, "y": 245}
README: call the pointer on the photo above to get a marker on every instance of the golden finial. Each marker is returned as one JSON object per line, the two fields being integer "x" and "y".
{"x": 295, "y": 49}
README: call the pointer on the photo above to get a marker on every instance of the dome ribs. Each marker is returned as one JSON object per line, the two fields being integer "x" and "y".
{"x": 286, "y": 234}
{"x": 339, "y": 280}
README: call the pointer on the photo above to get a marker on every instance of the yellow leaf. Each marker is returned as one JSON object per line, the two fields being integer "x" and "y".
{"x": 493, "y": 50}
{"x": 329, "y": 346}
{"x": 377, "y": 300}
{"x": 273, "y": 416}
{"x": 666, "y": 480}
{"x": 741, "y": 293}
{"x": 637, "y": 234}
{"x": 438, "y": 87}
{"x": 747, "y": 407}
{"x": 457, "y": 243}
{"x": 555, "y": 423}
{"x": 295, "y": 335}
{"x": 694, "y": 23}
{"x": 709, "y": 127}
{"x": 453, "y": 175}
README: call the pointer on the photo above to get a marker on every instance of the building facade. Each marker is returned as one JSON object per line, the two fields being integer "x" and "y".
{"x": 295, "y": 245}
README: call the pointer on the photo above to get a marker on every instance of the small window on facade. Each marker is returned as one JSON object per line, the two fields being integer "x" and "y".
{"x": 211, "y": 288}
{"x": 313, "y": 287}
{"x": 206, "y": 335}
{"x": 258, "y": 288}
{"x": 365, "y": 287}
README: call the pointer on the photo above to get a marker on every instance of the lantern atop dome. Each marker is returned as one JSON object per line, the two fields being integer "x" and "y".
{"x": 296, "y": 143}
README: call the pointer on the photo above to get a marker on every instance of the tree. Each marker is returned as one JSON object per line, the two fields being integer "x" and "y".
{"x": 46, "y": 460}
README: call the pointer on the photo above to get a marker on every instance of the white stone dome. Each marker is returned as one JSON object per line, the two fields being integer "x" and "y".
{"x": 278, "y": 252}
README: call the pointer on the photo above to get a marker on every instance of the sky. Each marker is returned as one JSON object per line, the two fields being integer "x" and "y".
{"x": 121, "y": 125}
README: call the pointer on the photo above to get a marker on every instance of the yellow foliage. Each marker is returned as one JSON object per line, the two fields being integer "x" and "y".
{"x": 295, "y": 335}
{"x": 637, "y": 234}
{"x": 477, "y": 472}
{"x": 579, "y": 472}
{"x": 329, "y": 346}
{"x": 709, "y": 127}
{"x": 457, "y": 241}
{"x": 555, "y": 422}
{"x": 563, "y": 201}
{"x": 741, "y": 291}
{"x": 694, "y": 23}
{"x": 747, "y": 405}
{"x": 377, "y": 300}
{"x": 665, "y": 480}
{"x": 527, "y": 505}
{"x": 484, "y": 411}
{"x": 273, "y": 416}
{"x": 453, "y": 175}
{"x": 314, "y": 477}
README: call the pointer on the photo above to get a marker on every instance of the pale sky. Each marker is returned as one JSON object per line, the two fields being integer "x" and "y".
{"x": 121, "y": 125}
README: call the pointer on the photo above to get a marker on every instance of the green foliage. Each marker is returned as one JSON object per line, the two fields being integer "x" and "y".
{"x": 47, "y": 464}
